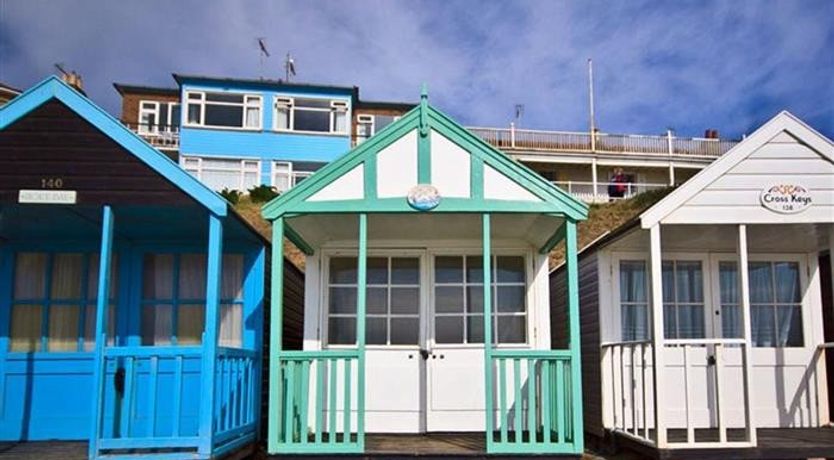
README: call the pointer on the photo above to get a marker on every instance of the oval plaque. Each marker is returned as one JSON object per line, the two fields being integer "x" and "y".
{"x": 423, "y": 197}
{"x": 786, "y": 198}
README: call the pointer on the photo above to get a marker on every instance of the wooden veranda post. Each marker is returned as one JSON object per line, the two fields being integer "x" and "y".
{"x": 575, "y": 338}
{"x": 214, "y": 271}
{"x": 362, "y": 281}
{"x": 276, "y": 334}
{"x": 487, "y": 263}
{"x": 744, "y": 298}
{"x": 657, "y": 333}
{"x": 102, "y": 307}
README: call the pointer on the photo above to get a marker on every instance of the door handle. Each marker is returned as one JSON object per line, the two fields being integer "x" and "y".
{"x": 711, "y": 360}
{"x": 119, "y": 381}
{"x": 424, "y": 354}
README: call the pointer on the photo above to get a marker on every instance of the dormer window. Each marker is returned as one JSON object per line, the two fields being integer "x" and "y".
{"x": 312, "y": 115}
{"x": 223, "y": 110}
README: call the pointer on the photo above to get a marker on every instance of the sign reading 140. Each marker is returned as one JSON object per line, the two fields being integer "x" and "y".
{"x": 52, "y": 183}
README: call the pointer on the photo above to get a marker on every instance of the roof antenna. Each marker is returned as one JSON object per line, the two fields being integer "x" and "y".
{"x": 289, "y": 67}
{"x": 263, "y": 53}
{"x": 519, "y": 112}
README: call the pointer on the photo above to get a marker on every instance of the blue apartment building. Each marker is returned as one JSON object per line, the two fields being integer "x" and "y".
{"x": 236, "y": 134}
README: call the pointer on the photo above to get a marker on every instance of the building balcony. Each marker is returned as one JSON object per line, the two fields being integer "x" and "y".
{"x": 516, "y": 141}
{"x": 163, "y": 137}
{"x": 603, "y": 192}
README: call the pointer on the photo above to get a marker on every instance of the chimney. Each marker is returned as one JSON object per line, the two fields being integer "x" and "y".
{"x": 73, "y": 79}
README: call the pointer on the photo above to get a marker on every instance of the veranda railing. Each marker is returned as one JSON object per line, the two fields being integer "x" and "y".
{"x": 535, "y": 402}
{"x": 587, "y": 192}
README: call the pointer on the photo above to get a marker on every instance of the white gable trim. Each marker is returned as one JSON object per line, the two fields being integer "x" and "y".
{"x": 784, "y": 121}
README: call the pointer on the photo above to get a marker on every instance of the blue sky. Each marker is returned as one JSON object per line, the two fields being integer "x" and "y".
{"x": 727, "y": 65}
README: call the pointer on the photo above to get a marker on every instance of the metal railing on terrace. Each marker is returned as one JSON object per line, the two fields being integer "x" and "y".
{"x": 514, "y": 139}
{"x": 163, "y": 137}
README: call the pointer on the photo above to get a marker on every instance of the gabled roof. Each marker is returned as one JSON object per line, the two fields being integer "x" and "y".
{"x": 53, "y": 88}
{"x": 411, "y": 140}
{"x": 783, "y": 121}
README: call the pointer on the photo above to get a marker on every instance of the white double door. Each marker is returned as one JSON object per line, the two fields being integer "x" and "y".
{"x": 418, "y": 386}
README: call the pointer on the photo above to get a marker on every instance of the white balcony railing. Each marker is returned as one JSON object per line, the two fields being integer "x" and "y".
{"x": 514, "y": 140}
{"x": 606, "y": 191}
{"x": 163, "y": 137}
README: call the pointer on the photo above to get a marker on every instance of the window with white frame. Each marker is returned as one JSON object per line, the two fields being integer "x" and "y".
{"x": 286, "y": 174}
{"x": 459, "y": 299}
{"x": 157, "y": 117}
{"x": 775, "y": 303}
{"x": 683, "y": 299}
{"x": 174, "y": 299}
{"x": 634, "y": 300}
{"x": 224, "y": 173}
{"x": 367, "y": 125}
{"x": 223, "y": 110}
{"x": 311, "y": 115}
{"x": 392, "y": 302}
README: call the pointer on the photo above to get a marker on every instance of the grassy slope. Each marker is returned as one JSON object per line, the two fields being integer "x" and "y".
{"x": 252, "y": 213}
{"x": 606, "y": 217}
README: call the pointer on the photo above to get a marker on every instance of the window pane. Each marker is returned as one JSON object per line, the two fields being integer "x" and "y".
{"x": 633, "y": 281}
{"x": 308, "y": 120}
{"x": 691, "y": 322}
{"x": 25, "y": 331}
{"x": 635, "y": 322}
{"x": 689, "y": 282}
{"x": 668, "y": 280}
{"x": 377, "y": 270}
{"x": 448, "y": 299}
{"x": 670, "y": 322}
{"x": 761, "y": 286}
{"x": 343, "y": 270}
{"x": 231, "y": 325}
{"x": 405, "y": 331}
{"x": 190, "y": 321}
{"x": 731, "y": 321}
{"x": 789, "y": 328}
{"x": 224, "y": 115}
{"x": 232, "y": 280}
{"x": 475, "y": 299}
{"x": 313, "y": 102}
{"x": 194, "y": 114}
{"x": 510, "y": 269}
{"x": 158, "y": 276}
{"x": 448, "y": 329}
{"x": 376, "y": 332}
{"x": 282, "y": 118}
{"x": 405, "y": 270}
{"x": 377, "y": 301}
{"x": 728, "y": 280}
{"x": 511, "y": 329}
{"x": 253, "y": 117}
{"x": 340, "y": 121}
{"x": 156, "y": 325}
{"x": 511, "y": 299}
{"x": 175, "y": 116}
{"x": 192, "y": 282}
{"x": 475, "y": 329}
{"x": 30, "y": 275}
{"x": 787, "y": 282}
{"x": 63, "y": 328}
{"x": 382, "y": 121}
{"x": 218, "y": 180}
{"x": 231, "y": 98}
{"x": 475, "y": 269}
{"x": 343, "y": 300}
{"x": 448, "y": 269}
{"x": 762, "y": 323}
{"x": 67, "y": 272}
{"x": 342, "y": 331}
{"x": 405, "y": 301}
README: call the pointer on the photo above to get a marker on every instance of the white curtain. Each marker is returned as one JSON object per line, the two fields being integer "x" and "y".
{"x": 730, "y": 309}
{"x": 29, "y": 284}
{"x": 67, "y": 273}
{"x": 231, "y": 314}
{"x": 633, "y": 300}
{"x": 158, "y": 284}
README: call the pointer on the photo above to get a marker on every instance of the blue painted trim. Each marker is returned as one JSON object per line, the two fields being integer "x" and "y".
{"x": 6, "y": 280}
{"x": 214, "y": 271}
{"x": 102, "y": 307}
{"x": 53, "y": 87}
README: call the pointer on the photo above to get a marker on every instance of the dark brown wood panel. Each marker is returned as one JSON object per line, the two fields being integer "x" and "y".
{"x": 53, "y": 142}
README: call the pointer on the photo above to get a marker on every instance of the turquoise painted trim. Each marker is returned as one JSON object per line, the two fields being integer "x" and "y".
{"x": 424, "y": 140}
{"x": 6, "y": 282}
{"x": 275, "y": 338}
{"x": 370, "y": 178}
{"x": 476, "y": 177}
{"x": 54, "y": 88}
{"x": 297, "y": 240}
{"x": 362, "y": 282}
{"x": 551, "y": 243}
{"x": 102, "y": 307}
{"x": 554, "y": 200}
{"x": 572, "y": 266}
{"x": 447, "y": 205}
{"x": 488, "y": 342}
{"x": 214, "y": 271}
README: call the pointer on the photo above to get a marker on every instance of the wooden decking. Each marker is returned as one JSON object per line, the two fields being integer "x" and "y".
{"x": 773, "y": 443}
